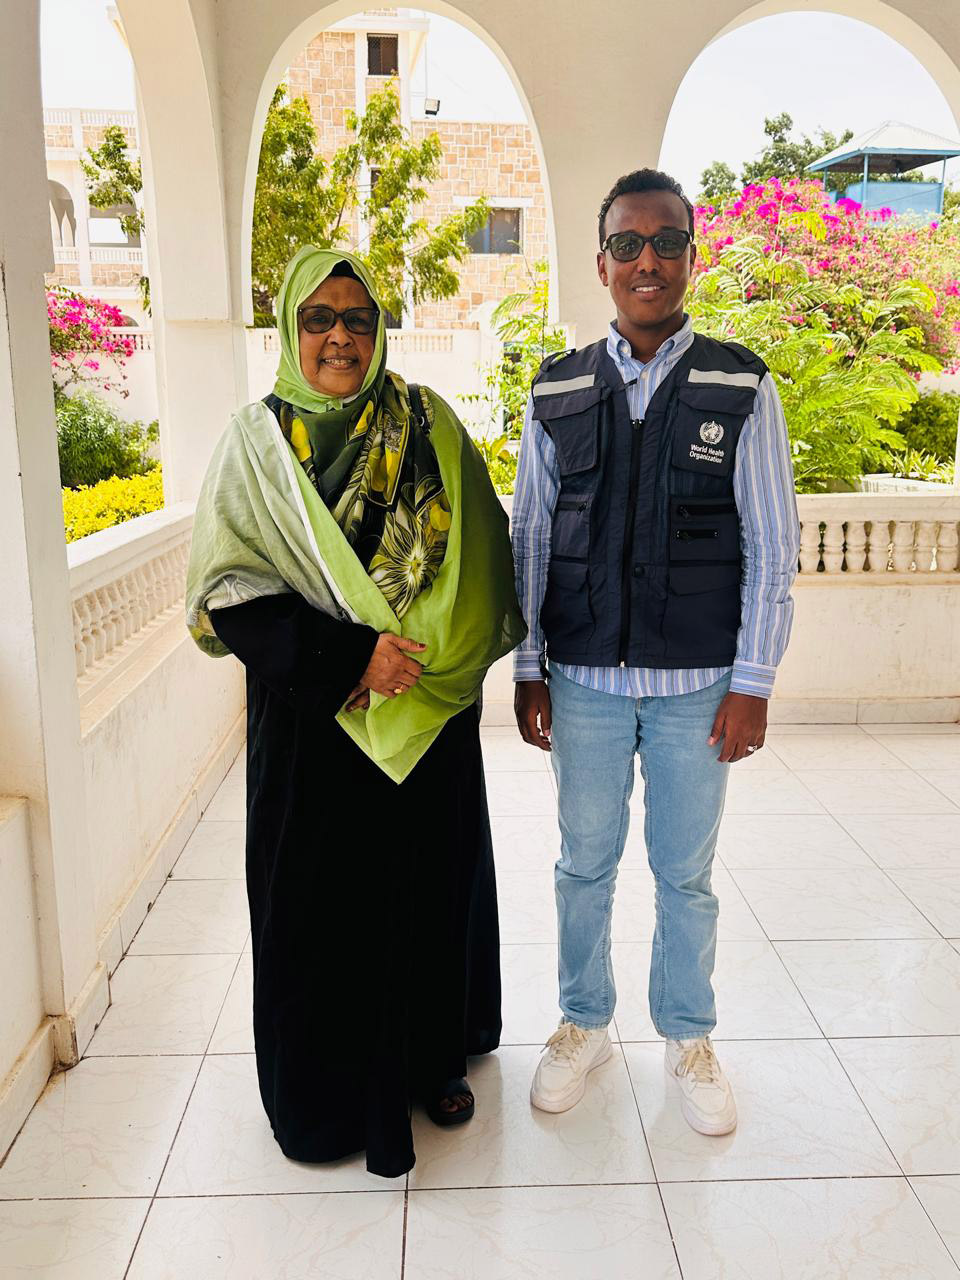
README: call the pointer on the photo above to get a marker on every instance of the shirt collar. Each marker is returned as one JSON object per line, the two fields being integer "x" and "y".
{"x": 618, "y": 348}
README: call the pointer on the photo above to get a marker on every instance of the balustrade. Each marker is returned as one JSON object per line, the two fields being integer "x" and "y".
{"x": 867, "y": 534}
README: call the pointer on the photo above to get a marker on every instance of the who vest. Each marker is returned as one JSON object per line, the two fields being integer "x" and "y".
{"x": 645, "y": 557}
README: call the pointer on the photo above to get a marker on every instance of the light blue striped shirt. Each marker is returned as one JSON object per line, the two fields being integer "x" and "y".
{"x": 769, "y": 534}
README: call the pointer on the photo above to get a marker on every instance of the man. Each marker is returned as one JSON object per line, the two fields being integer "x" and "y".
{"x": 656, "y": 539}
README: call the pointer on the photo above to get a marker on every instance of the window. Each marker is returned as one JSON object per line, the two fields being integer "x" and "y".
{"x": 382, "y": 56}
{"x": 499, "y": 234}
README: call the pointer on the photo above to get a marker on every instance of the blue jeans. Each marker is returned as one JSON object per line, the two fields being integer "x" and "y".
{"x": 595, "y": 738}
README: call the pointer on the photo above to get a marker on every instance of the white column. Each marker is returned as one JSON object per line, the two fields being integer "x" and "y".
{"x": 198, "y": 331}
{"x": 40, "y": 739}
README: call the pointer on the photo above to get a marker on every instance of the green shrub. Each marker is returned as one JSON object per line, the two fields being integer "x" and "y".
{"x": 930, "y": 424}
{"x": 112, "y": 501}
{"x": 95, "y": 443}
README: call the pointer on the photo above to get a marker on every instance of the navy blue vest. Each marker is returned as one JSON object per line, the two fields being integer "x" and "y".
{"x": 645, "y": 555}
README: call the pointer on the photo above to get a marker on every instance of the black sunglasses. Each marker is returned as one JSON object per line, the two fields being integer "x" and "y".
{"x": 322, "y": 319}
{"x": 627, "y": 246}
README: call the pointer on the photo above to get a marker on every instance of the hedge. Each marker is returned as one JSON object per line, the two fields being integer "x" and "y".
{"x": 110, "y": 502}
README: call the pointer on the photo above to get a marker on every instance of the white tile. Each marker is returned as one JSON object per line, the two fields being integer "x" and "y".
{"x": 768, "y": 793}
{"x": 756, "y": 999}
{"x": 163, "y": 1004}
{"x": 510, "y": 1143}
{"x": 521, "y": 794}
{"x": 836, "y": 751}
{"x": 941, "y": 1199}
{"x": 936, "y": 894}
{"x": 766, "y": 842}
{"x": 234, "y": 1030}
{"x": 530, "y": 993}
{"x": 856, "y": 1229}
{"x": 283, "y": 1237}
{"x": 508, "y": 753}
{"x": 101, "y": 1129}
{"x": 946, "y": 781}
{"x": 527, "y": 903}
{"x": 857, "y": 903}
{"x": 926, "y": 751}
{"x": 777, "y": 729}
{"x": 215, "y": 851}
{"x": 863, "y": 791}
{"x": 525, "y": 843}
{"x": 541, "y": 1233}
{"x": 230, "y": 802}
{"x": 195, "y": 916}
{"x": 915, "y": 840}
{"x": 912, "y": 1089}
{"x": 767, "y": 759}
{"x": 887, "y": 988}
{"x": 923, "y": 728}
{"x": 911, "y": 711}
{"x": 68, "y": 1239}
{"x": 225, "y": 1145}
{"x": 821, "y": 712}
{"x": 799, "y": 1117}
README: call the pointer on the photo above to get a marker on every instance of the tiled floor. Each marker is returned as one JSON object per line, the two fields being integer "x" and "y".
{"x": 838, "y": 979}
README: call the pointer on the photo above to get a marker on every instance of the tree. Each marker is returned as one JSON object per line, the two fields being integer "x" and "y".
{"x": 303, "y": 199}
{"x": 114, "y": 181}
{"x": 718, "y": 182}
{"x": 85, "y": 350}
{"x": 786, "y": 157}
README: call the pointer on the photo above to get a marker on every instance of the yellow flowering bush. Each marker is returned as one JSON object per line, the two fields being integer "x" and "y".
{"x": 110, "y": 502}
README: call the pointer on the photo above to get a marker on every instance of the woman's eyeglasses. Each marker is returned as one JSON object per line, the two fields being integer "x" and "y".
{"x": 627, "y": 246}
{"x": 322, "y": 319}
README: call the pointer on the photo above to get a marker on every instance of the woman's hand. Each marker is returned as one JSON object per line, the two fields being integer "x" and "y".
{"x": 390, "y": 671}
{"x": 359, "y": 699}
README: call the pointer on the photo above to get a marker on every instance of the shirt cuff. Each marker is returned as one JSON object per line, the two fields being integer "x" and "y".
{"x": 754, "y": 678}
{"x": 526, "y": 665}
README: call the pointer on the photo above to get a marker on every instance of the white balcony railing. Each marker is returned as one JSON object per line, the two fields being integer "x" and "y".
{"x": 868, "y": 535}
{"x": 127, "y": 585}
{"x": 127, "y": 255}
{"x": 65, "y": 255}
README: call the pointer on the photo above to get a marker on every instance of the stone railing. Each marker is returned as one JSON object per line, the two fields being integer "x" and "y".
{"x": 127, "y": 585}
{"x": 124, "y": 253}
{"x": 142, "y": 339}
{"x": 866, "y": 534}
{"x": 419, "y": 341}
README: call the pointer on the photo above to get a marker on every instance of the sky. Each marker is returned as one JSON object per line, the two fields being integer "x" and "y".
{"x": 853, "y": 76}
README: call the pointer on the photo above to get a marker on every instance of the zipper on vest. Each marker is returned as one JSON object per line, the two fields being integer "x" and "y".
{"x": 690, "y": 510}
{"x": 626, "y": 578}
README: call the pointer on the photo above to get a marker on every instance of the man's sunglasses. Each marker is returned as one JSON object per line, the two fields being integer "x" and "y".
{"x": 627, "y": 246}
{"x": 322, "y": 319}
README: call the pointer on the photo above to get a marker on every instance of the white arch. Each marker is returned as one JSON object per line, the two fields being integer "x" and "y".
{"x": 294, "y": 43}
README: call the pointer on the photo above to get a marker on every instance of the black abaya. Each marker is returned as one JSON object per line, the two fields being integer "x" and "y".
{"x": 373, "y": 905}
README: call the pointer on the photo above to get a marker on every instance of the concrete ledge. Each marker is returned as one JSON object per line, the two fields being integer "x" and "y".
{"x": 130, "y": 914}
{"x": 24, "y": 1084}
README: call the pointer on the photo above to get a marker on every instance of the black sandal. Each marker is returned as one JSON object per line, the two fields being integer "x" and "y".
{"x": 453, "y": 1087}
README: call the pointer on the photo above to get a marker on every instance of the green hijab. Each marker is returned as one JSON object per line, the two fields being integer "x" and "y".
{"x": 305, "y": 272}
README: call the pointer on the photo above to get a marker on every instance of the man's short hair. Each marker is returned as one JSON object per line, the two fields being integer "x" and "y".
{"x": 643, "y": 180}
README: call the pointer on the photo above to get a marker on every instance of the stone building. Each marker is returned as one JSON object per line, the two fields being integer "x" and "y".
{"x": 337, "y": 72}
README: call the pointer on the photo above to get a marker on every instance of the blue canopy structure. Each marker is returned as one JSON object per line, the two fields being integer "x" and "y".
{"x": 892, "y": 148}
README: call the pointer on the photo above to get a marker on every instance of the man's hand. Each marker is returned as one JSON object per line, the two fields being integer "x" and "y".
{"x": 742, "y": 723}
{"x": 531, "y": 702}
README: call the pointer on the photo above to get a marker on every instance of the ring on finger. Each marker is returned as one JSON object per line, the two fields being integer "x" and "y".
{"x": 398, "y": 689}
{"x": 750, "y": 750}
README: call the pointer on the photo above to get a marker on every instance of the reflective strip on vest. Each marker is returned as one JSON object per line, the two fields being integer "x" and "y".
{"x": 559, "y": 388}
{"x": 719, "y": 378}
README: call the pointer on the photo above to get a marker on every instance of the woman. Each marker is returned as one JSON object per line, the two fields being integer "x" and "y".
{"x": 350, "y": 551}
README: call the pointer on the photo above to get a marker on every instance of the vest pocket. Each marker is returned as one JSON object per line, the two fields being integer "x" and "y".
{"x": 707, "y": 427}
{"x": 576, "y": 438}
{"x": 703, "y": 608}
{"x": 571, "y": 527}
{"x": 565, "y": 614}
{"x": 704, "y": 529}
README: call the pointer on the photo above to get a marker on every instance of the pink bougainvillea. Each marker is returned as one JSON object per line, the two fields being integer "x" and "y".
{"x": 85, "y": 349}
{"x": 847, "y": 245}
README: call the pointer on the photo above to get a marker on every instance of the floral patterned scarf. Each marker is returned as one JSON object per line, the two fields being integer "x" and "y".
{"x": 380, "y": 480}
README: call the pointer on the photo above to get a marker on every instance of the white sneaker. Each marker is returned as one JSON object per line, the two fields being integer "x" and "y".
{"x": 561, "y": 1076}
{"x": 706, "y": 1098}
